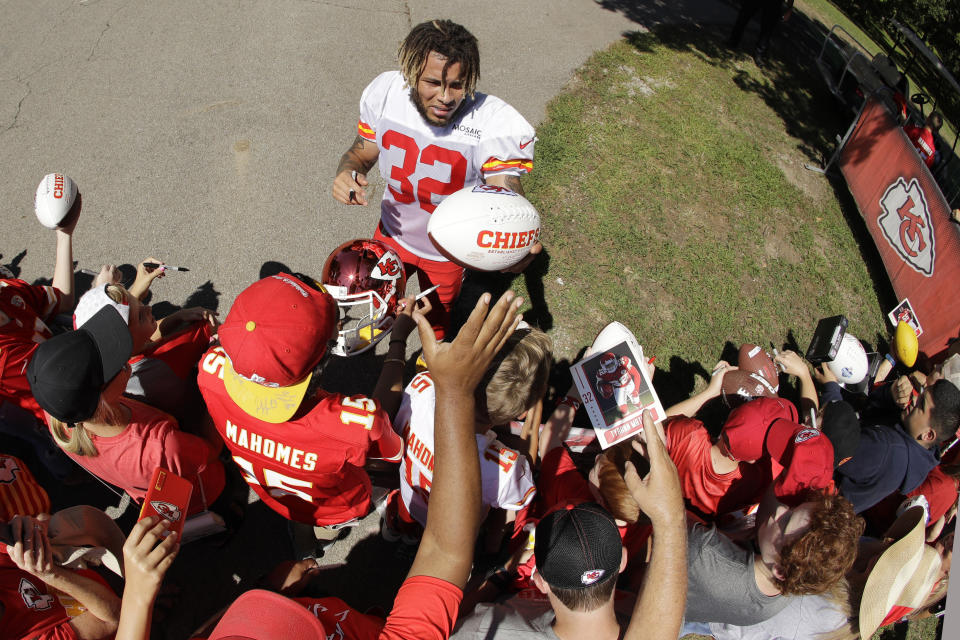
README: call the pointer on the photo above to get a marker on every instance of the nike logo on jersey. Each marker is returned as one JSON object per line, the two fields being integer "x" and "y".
{"x": 523, "y": 145}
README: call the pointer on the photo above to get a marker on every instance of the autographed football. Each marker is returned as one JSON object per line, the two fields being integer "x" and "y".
{"x": 742, "y": 386}
{"x": 851, "y": 365}
{"x": 755, "y": 359}
{"x": 55, "y": 196}
{"x": 486, "y": 227}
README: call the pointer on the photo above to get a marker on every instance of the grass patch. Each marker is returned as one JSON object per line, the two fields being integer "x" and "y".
{"x": 669, "y": 177}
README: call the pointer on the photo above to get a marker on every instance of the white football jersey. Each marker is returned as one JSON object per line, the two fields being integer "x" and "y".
{"x": 505, "y": 474}
{"x": 422, "y": 163}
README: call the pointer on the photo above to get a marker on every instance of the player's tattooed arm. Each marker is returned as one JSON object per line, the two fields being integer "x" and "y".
{"x": 351, "y": 178}
{"x": 506, "y": 180}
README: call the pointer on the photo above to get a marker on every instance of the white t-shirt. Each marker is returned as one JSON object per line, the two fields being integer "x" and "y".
{"x": 505, "y": 474}
{"x": 422, "y": 163}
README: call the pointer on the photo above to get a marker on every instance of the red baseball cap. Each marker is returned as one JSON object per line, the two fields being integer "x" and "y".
{"x": 263, "y": 615}
{"x": 801, "y": 460}
{"x": 747, "y": 425}
{"x": 274, "y": 336}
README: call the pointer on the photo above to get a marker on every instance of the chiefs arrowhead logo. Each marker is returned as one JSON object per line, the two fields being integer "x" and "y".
{"x": 169, "y": 511}
{"x": 389, "y": 267}
{"x": 805, "y": 434}
{"x": 905, "y": 223}
{"x": 8, "y": 470}
{"x": 492, "y": 188}
{"x": 591, "y": 576}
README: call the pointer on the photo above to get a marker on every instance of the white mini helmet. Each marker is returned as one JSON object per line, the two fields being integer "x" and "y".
{"x": 850, "y": 366}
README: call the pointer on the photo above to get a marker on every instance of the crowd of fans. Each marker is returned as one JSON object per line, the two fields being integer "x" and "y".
{"x": 824, "y": 518}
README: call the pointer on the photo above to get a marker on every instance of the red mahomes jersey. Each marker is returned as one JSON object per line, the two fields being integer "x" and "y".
{"x": 309, "y": 469}
{"x": 688, "y": 443}
{"x": 422, "y": 163}
{"x": 24, "y": 312}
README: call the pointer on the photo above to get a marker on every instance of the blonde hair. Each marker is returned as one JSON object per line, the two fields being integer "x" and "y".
{"x": 73, "y": 437}
{"x": 518, "y": 377}
{"x": 117, "y": 293}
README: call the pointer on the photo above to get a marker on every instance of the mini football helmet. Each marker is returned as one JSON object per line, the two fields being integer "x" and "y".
{"x": 367, "y": 279}
{"x": 609, "y": 362}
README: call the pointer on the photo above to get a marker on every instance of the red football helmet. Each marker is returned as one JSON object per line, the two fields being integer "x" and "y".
{"x": 367, "y": 279}
{"x": 609, "y": 362}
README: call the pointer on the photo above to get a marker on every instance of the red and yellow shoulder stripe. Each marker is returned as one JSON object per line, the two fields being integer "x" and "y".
{"x": 365, "y": 131}
{"x": 496, "y": 164}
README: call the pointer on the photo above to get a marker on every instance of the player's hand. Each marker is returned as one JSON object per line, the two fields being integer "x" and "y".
{"x": 31, "y": 549}
{"x": 69, "y": 222}
{"x": 145, "y": 561}
{"x": 405, "y": 323}
{"x": 109, "y": 274}
{"x": 823, "y": 374}
{"x": 523, "y": 264}
{"x": 461, "y": 364}
{"x": 716, "y": 377}
{"x": 348, "y": 187}
{"x": 792, "y": 363}
{"x": 658, "y": 494}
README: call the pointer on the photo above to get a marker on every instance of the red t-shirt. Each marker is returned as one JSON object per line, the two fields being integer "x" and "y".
{"x": 24, "y": 311}
{"x": 688, "y": 443}
{"x": 309, "y": 469}
{"x": 923, "y": 141}
{"x": 153, "y": 439}
{"x": 31, "y": 609}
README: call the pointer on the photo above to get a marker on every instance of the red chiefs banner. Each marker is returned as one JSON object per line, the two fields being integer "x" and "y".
{"x": 909, "y": 220}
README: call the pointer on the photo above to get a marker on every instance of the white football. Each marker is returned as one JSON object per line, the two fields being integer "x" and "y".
{"x": 487, "y": 228}
{"x": 851, "y": 365}
{"x": 55, "y": 196}
{"x": 610, "y": 336}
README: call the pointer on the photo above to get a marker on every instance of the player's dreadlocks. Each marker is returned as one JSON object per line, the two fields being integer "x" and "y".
{"x": 446, "y": 38}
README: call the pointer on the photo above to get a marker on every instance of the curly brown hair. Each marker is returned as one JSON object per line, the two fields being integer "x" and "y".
{"x": 450, "y": 40}
{"x": 816, "y": 561}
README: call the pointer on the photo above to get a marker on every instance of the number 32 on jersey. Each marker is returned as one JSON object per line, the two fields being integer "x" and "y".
{"x": 426, "y": 186}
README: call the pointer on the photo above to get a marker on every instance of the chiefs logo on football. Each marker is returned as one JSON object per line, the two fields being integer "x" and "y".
{"x": 169, "y": 511}
{"x": 905, "y": 223}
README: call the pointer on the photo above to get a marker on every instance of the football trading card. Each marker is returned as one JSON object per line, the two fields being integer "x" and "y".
{"x": 168, "y": 497}
{"x": 904, "y": 311}
{"x": 615, "y": 390}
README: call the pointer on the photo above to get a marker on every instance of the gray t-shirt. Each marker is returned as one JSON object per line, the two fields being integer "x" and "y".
{"x": 721, "y": 586}
{"x": 524, "y": 616}
{"x": 803, "y": 618}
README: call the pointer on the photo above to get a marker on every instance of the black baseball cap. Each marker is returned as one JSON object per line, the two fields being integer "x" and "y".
{"x": 578, "y": 546}
{"x": 68, "y": 372}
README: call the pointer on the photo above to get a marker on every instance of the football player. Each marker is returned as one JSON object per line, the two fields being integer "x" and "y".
{"x": 433, "y": 135}
{"x": 617, "y": 378}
